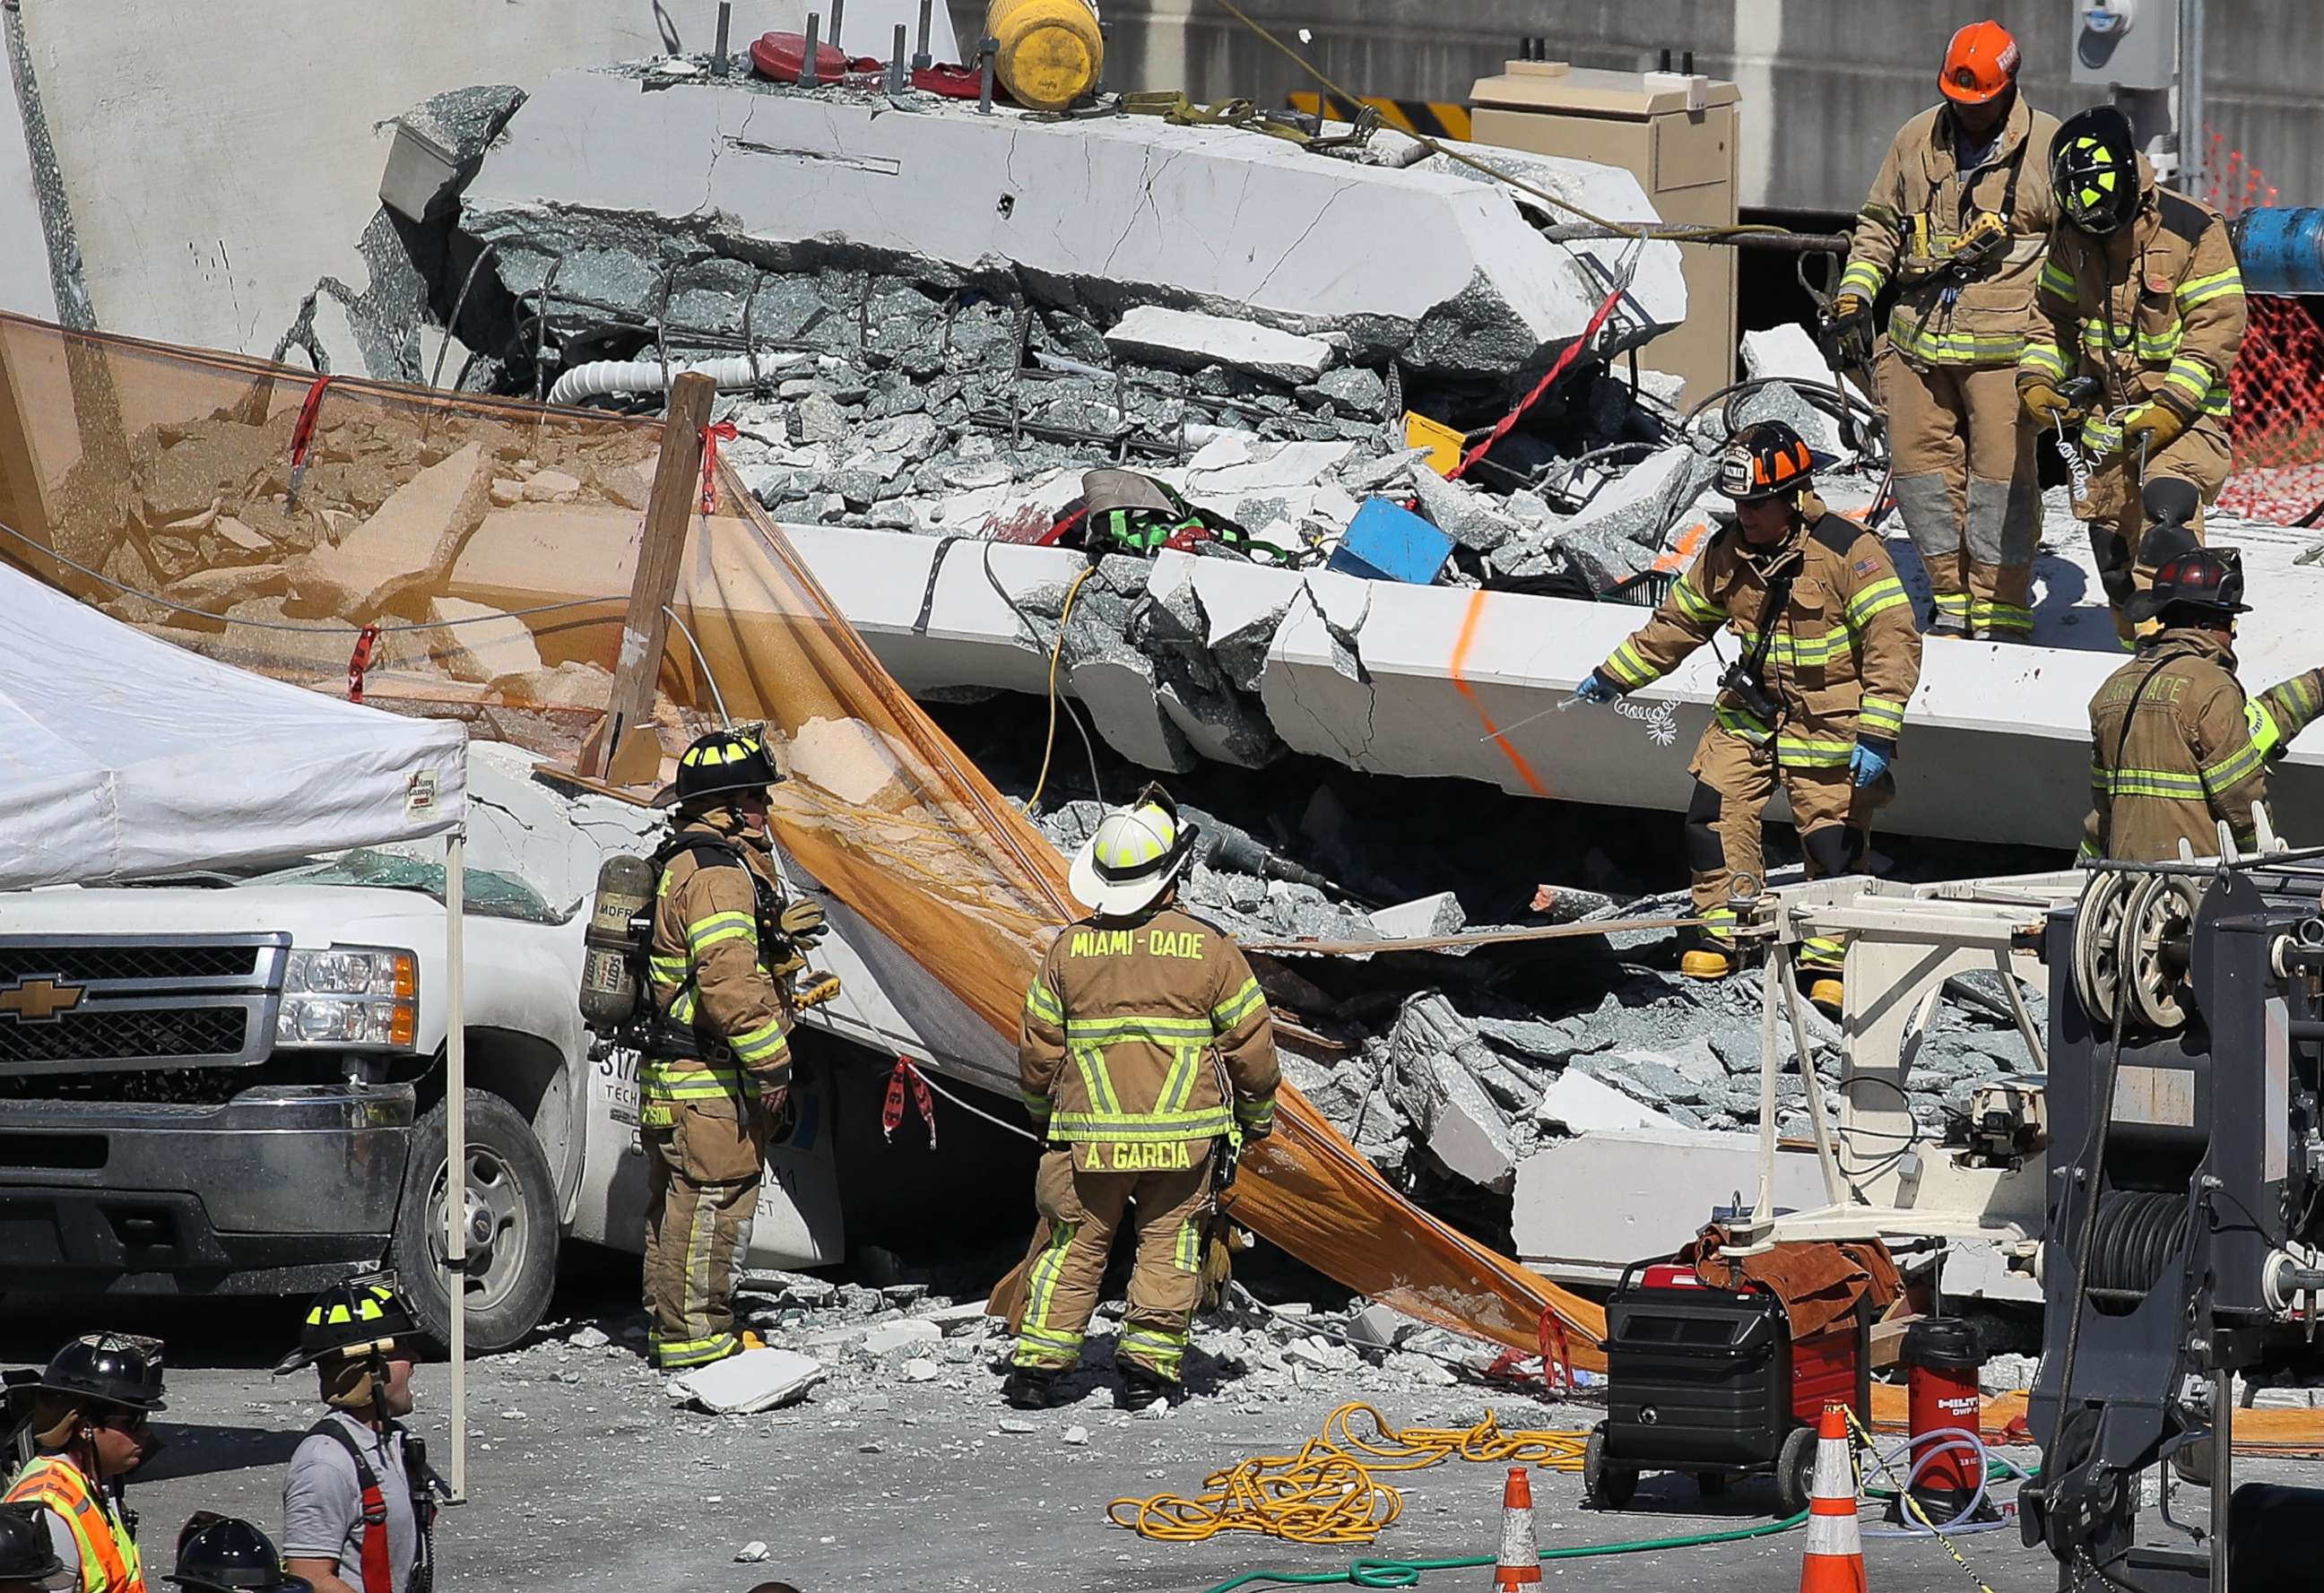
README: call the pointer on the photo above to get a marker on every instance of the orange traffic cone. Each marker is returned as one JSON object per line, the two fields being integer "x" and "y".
{"x": 1518, "y": 1564}
{"x": 1834, "y": 1562}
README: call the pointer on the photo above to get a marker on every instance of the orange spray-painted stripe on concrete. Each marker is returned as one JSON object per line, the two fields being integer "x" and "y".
{"x": 1689, "y": 542}
{"x": 1460, "y": 656}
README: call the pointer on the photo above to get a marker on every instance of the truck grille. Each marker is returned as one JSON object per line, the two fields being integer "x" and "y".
{"x": 84, "y": 964}
{"x": 133, "y": 1036}
{"x": 85, "y": 1005}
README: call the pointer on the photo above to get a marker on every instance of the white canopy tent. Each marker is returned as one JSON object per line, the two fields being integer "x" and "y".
{"x": 122, "y": 757}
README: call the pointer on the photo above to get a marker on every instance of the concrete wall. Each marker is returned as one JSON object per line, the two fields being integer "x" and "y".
{"x": 221, "y": 157}
{"x": 1826, "y": 83}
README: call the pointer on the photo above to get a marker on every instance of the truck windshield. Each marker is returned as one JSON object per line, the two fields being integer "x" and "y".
{"x": 490, "y": 895}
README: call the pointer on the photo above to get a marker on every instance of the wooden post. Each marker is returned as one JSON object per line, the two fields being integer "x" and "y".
{"x": 676, "y": 487}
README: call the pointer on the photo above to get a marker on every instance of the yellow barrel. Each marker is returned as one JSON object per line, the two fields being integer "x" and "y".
{"x": 1050, "y": 53}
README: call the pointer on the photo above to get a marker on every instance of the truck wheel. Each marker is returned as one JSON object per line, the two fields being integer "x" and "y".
{"x": 511, "y": 1212}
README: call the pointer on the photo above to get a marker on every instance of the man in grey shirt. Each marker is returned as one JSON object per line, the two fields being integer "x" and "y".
{"x": 350, "y": 1523}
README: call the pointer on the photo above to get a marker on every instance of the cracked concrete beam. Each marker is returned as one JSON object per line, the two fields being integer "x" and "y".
{"x": 1107, "y": 213}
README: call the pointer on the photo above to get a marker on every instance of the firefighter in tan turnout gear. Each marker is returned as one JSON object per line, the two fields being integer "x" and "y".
{"x": 717, "y": 1065}
{"x": 2174, "y": 746}
{"x": 1957, "y": 222}
{"x": 2141, "y": 292}
{"x": 1145, "y": 1044}
{"x": 1827, "y": 657}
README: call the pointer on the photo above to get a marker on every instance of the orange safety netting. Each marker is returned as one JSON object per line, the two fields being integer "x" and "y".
{"x": 474, "y": 558}
{"x": 2278, "y": 381}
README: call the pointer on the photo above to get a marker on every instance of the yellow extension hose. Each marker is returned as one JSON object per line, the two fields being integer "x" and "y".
{"x": 1329, "y": 1492}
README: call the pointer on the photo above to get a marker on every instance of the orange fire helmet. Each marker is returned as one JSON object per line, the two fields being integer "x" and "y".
{"x": 1980, "y": 64}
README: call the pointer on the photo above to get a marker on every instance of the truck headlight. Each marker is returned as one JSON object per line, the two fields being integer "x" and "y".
{"x": 349, "y": 996}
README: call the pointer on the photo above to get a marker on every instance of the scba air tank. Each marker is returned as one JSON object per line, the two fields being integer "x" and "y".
{"x": 609, "y": 978}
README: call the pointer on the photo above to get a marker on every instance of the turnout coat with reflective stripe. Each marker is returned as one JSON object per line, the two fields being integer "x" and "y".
{"x": 2194, "y": 752}
{"x": 707, "y": 924}
{"x": 2157, "y": 309}
{"x": 1938, "y": 319}
{"x": 1143, "y": 1036}
{"x": 1846, "y": 653}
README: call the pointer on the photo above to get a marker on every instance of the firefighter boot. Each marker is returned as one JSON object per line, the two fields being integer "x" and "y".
{"x": 1142, "y": 1386}
{"x": 1031, "y": 1389}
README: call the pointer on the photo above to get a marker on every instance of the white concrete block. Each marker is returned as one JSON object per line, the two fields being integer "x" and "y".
{"x": 1580, "y": 1104}
{"x": 887, "y": 1338}
{"x": 755, "y": 1380}
{"x": 1465, "y": 1130}
{"x": 1789, "y": 353}
{"x": 1266, "y": 467}
{"x": 1154, "y": 336}
{"x": 1584, "y": 1208}
{"x": 1455, "y": 277}
{"x": 1431, "y": 914}
{"x": 1128, "y": 713}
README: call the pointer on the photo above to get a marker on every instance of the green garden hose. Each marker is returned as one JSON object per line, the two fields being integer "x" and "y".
{"x": 1406, "y": 1573}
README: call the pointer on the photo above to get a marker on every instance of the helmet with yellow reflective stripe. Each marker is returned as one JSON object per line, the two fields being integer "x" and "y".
{"x": 2094, "y": 169}
{"x": 360, "y": 1317}
{"x": 723, "y": 763}
{"x": 1135, "y": 855}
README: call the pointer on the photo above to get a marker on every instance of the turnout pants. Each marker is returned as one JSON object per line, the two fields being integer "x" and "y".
{"x": 1166, "y": 1212}
{"x": 1733, "y": 783}
{"x": 1967, "y": 488}
{"x": 701, "y": 1186}
{"x": 2117, "y": 520}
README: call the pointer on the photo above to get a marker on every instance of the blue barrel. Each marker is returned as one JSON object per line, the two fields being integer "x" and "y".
{"x": 2282, "y": 250}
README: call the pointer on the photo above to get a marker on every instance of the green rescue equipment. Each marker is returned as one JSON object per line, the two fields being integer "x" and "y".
{"x": 1126, "y": 512}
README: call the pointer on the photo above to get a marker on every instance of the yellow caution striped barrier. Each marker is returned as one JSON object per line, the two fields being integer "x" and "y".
{"x": 1436, "y": 118}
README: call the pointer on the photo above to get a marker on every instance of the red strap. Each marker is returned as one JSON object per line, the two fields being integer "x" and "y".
{"x": 711, "y": 434}
{"x": 1557, "y": 1361}
{"x": 302, "y": 436}
{"x": 892, "y": 1114}
{"x": 1049, "y": 539}
{"x": 359, "y": 661}
{"x": 1501, "y": 428}
{"x": 378, "y": 1569}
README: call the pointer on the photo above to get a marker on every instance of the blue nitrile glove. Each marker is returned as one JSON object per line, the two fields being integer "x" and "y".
{"x": 1868, "y": 764}
{"x": 1594, "y": 689}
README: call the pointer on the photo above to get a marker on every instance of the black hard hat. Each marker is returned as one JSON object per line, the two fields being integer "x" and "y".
{"x": 233, "y": 1556}
{"x": 723, "y": 762}
{"x": 26, "y": 1553}
{"x": 2094, "y": 169}
{"x": 1766, "y": 459}
{"x": 112, "y": 1368}
{"x": 355, "y": 1317}
{"x": 2198, "y": 581}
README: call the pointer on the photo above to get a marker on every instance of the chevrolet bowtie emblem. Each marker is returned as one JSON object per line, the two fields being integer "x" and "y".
{"x": 39, "y": 999}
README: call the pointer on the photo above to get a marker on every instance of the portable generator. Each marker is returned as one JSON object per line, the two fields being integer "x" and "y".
{"x": 1709, "y": 1381}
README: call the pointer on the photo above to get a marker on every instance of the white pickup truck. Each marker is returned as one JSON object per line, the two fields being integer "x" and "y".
{"x": 237, "y": 1083}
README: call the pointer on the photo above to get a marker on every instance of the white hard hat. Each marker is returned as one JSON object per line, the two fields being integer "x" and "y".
{"x": 1133, "y": 857}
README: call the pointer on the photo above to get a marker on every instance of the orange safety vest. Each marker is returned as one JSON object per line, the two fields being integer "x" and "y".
{"x": 109, "y": 1562}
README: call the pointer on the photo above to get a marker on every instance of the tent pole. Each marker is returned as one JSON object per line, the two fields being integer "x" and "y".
{"x": 455, "y": 1148}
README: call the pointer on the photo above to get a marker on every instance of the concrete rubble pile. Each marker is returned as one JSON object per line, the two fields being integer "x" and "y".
{"x": 934, "y": 321}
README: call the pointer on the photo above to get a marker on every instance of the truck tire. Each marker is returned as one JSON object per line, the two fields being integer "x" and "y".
{"x": 513, "y": 1233}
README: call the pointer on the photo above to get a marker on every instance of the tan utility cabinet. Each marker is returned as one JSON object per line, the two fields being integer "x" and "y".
{"x": 1676, "y": 135}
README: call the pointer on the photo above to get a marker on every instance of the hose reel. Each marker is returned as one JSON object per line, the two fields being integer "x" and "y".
{"x": 2130, "y": 947}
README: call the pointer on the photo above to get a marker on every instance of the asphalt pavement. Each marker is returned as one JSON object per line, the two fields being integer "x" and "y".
{"x": 582, "y": 1474}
